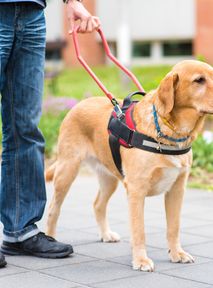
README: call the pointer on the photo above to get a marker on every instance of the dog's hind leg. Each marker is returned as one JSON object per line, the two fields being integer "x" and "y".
{"x": 65, "y": 173}
{"x": 108, "y": 184}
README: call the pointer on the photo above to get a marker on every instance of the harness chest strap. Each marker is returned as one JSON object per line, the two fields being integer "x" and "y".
{"x": 139, "y": 140}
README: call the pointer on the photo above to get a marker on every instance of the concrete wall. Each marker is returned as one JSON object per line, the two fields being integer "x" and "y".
{"x": 147, "y": 20}
{"x": 54, "y": 20}
{"x": 150, "y": 19}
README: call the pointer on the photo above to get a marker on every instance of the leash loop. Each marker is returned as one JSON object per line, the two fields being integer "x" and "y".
{"x": 113, "y": 59}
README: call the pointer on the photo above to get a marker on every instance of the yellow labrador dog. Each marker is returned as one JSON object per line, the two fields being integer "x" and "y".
{"x": 182, "y": 100}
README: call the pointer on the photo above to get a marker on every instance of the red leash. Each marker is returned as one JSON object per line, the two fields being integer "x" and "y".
{"x": 113, "y": 59}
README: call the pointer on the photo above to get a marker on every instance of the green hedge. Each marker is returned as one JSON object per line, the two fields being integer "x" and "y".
{"x": 202, "y": 155}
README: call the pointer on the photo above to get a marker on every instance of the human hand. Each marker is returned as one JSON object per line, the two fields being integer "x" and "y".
{"x": 77, "y": 11}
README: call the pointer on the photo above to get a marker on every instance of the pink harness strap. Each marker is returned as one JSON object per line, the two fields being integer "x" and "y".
{"x": 129, "y": 119}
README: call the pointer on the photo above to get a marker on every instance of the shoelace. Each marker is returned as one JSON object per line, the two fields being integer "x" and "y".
{"x": 43, "y": 235}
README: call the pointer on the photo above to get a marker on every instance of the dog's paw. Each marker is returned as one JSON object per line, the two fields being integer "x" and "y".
{"x": 180, "y": 257}
{"x": 110, "y": 237}
{"x": 145, "y": 265}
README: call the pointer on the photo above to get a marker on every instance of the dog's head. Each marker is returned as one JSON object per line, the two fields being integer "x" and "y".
{"x": 188, "y": 85}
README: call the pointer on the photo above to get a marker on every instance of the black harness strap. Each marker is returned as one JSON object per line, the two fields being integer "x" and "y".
{"x": 115, "y": 149}
{"x": 120, "y": 130}
{"x": 144, "y": 142}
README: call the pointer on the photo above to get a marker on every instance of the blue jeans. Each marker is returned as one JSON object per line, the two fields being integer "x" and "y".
{"x": 22, "y": 56}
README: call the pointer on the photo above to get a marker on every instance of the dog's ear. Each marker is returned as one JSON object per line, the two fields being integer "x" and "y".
{"x": 166, "y": 93}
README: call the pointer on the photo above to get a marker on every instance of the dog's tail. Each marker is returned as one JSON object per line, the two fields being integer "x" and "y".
{"x": 49, "y": 172}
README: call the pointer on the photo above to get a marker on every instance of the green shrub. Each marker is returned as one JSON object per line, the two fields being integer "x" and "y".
{"x": 49, "y": 125}
{"x": 203, "y": 155}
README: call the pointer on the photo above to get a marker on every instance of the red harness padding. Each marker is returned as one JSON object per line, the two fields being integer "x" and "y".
{"x": 129, "y": 117}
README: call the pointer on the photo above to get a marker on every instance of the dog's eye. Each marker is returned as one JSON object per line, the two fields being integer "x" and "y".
{"x": 200, "y": 80}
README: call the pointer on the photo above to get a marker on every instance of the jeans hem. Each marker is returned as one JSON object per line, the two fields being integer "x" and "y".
{"x": 25, "y": 234}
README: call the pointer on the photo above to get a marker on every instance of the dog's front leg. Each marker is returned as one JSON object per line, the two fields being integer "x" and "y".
{"x": 173, "y": 204}
{"x": 136, "y": 199}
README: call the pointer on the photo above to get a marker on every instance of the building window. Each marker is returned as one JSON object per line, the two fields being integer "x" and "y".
{"x": 53, "y": 54}
{"x": 113, "y": 48}
{"x": 141, "y": 49}
{"x": 54, "y": 50}
{"x": 177, "y": 48}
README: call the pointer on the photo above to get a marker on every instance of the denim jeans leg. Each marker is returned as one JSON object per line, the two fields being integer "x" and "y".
{"x": 23, "y": 195}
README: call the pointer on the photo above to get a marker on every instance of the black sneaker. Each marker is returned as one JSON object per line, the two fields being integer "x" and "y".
{"x": 2, "y": 261}
{"x": 39, "y": 245}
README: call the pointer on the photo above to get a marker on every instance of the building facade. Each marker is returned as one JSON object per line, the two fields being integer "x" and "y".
{"x": 138, "y": 31}
{"x": 203, "y": 41}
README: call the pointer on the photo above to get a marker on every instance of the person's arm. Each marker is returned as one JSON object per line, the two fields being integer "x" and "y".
{"x": 77, "y": 11}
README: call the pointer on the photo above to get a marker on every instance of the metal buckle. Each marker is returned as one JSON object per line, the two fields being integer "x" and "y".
{"x": 118, "y": 111}
{"x": 159, "y": 148}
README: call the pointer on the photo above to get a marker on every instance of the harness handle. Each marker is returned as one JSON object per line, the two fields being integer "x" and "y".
{"x": 110, "y": 56}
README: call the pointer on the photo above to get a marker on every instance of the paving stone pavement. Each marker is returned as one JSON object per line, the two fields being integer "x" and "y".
{"x": 101, "y": 265}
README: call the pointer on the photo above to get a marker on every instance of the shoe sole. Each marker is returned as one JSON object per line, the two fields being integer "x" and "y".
{"x": 16, "y": 252}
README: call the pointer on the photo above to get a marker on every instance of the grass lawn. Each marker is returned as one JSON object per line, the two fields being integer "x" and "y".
{"x": 78, "y": 84}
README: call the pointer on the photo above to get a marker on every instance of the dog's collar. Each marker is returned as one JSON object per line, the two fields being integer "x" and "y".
{"x": 160, "y": 134}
